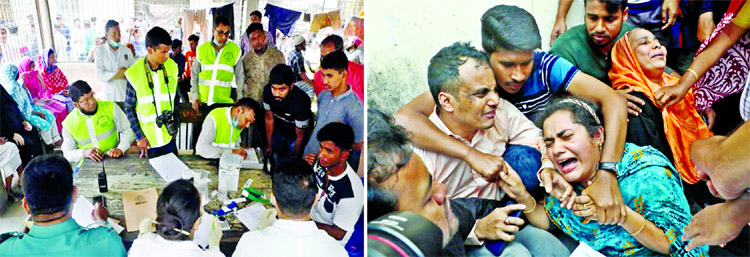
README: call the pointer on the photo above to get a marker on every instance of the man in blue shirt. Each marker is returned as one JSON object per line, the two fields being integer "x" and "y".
{"x": 338, "y": 104}
{"x": 528, "y": 78}
{"x": 50, "y": 193}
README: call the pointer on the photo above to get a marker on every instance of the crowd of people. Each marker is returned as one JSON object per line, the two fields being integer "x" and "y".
{"x": 247, "y": 98}
{"x": 598, "y": 136}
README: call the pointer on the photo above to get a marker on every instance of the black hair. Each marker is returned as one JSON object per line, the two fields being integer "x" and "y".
{"x": 222, "y": 20}
{"x": 380, "y": 201}
{"x": 442, "y": 73}
{"x": 340, "y": 134}
{"x": 78, "y": 89}
{"x": 293, "y": 186}
{"x": 110, "y": 24}
{"x": 257, "y": 14}
{"x": 510, "y": 28}
{"x": 176, "y": 43}
{"x": 249, "y": 103}
{"x": 335, "y": 60}
{"x": 579, "y": 113}
{"x": 612, "y": 6}
{"x": 338, "y": 42}
{"x": 48, "y": 184}
{"x": 193, "y": 37}
{"x": 253, "y": 27}
{"x": 158, "y": 36}
{"x": 281, "y": 74}
{"x": 177, "y": 208}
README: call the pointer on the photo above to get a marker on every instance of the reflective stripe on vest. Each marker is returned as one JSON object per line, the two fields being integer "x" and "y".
{"x": 98, "y": 131}
{"x": 217, "y": 72}
{"x": 226, "y": 135}
{"x": 136, "y": 75}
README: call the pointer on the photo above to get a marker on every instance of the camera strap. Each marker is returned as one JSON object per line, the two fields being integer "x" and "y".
{"x": 151, "y": 83}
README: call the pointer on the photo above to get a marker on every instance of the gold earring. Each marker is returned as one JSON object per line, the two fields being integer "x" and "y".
{"x": 600, "y": 146}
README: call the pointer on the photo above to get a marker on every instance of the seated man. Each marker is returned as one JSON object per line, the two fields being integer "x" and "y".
{"x": 50, "y": 193}
{"x": 338, "y": 104}
{"x": 94, "y": 128}
{"x": 288, "y": 114}
{"x": 221, "y": 129}
{"x": 10, "y": 167}
{"x": 528, "y": 79}
{"x": 293, "y": 233}
{"x": 340, "y": 188}
{"x": 397, "y": 180}
{"x": 469, "y": 110}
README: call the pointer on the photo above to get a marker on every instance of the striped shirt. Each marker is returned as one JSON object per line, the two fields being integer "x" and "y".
{"x": 549, "y": 77}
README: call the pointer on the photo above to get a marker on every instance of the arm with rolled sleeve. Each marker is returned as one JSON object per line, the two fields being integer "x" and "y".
{"x": 69, "y": 147}
{"x": 123, "y": 129}
{"x": 194, "y": 78}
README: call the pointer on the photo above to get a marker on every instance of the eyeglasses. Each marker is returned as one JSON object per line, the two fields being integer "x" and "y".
{"x": 225, "y": 33}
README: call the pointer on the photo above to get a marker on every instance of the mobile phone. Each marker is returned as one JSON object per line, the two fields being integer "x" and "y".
{"x": 496, "y": 247}
{"x": 101, "y": 200}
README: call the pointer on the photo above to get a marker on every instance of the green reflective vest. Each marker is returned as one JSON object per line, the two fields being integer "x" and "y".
{"x": 163, "y": 94}
{"x": 226, "y": 134}
{"x": 217, "y": 72}
{"x": 93, "y": 131}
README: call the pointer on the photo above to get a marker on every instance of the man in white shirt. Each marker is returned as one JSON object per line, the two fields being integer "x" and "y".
{"x": 221, "y": 129}
{"x": 94, "y": 128}
{"x": 111, "y": 62}
{"x": 340, "y": 189}
{"x": 293, "y": 234}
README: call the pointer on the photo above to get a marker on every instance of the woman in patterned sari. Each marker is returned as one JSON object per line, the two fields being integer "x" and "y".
{"x": 33, "y": 81}
{"x": 54, "y": 79}
{"x": 657, "y": 210}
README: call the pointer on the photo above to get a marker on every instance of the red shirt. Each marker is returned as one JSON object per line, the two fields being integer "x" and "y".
{"x": 189, "y": 58}
{"x": 355, "y": 79}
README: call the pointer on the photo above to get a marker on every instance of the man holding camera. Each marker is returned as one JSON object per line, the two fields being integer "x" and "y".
{"x": 152, "y": 97}
{"x": 95, "y": 128}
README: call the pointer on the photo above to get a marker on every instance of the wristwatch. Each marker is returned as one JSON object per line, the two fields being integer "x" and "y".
{"x": 610, "y": 166}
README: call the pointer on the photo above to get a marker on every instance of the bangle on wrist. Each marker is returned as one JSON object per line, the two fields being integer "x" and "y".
{"x": 533, "y": 208}
{"x": 641, "y": 229}
{"x": 693, "y": 72}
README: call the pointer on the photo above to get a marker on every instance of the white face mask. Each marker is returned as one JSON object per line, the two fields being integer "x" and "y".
{"x": 216, "y": 42}
{"x": 113, "y": 44}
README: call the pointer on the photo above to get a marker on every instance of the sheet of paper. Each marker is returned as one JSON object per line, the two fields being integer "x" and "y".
{"x": 229, "y": 172}
{"x": 584, "y": 250}
{"x": 252, "y": 161}
{"x": 168, "y": 166}
{"x": 250, "y": 216}
{"x": 82, "y": 211}
{"x": 115, "y": 226}
{"x": 139, "y": 205}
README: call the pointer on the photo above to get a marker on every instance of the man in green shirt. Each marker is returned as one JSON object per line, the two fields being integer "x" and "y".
{"x": 588, "y": 47}
{"x": 50, "y": 194}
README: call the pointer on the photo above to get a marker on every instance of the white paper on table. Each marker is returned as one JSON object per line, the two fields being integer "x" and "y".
{"x": 82, "y": 210}
{"x": 168, "y": 166}
{"x": 252, "y": 161}
{"x": 250, "y": 216}
{"x": 584, "y": 250}
{"x": 229, "y": 172}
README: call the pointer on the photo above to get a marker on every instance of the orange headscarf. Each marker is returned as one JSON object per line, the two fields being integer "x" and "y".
{"x": 682, "y": 123}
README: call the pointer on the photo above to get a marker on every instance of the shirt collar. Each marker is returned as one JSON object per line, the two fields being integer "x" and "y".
{"x": 295, "y": 227}
{"x": 440, "y": 125}
{"x": 345, "y": 94}
{"x": 53, "y": 230}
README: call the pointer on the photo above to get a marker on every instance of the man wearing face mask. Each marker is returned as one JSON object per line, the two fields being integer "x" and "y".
{"x": 94, "y": 128}
{"x": 217, "y": 70}
{"x": 221, "y": 129}
{"x": 153, "y": 97}
{"x": 111, "y": 62}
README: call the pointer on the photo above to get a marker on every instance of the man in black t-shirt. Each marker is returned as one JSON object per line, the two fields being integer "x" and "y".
{"x": 287, "y": 114}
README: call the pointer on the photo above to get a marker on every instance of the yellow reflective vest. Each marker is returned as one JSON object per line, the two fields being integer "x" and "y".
{"x": 226, "y": 134}
{"x": 163, "y": 94}
{"x": 93, "y": 131}
{"x": 217, "y": 72}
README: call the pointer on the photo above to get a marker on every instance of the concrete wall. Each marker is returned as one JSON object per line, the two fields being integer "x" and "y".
{"x": 404, "y": 35}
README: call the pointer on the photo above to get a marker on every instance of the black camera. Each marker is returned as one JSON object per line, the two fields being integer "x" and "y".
{"x": 167, "y": 118}
{"x": 403, "y": 233}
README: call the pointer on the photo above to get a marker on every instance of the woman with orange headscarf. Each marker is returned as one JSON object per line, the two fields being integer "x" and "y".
{"x": 638, "y": 62}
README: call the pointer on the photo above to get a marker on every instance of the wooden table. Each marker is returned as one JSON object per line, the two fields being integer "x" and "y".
{"x": 131, "y": 173}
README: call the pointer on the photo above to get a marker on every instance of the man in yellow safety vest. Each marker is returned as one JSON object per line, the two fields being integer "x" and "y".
{"x": 152, "y": 97}
{"x": 94, "y": 128}
{"x": 221, "y": 129}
